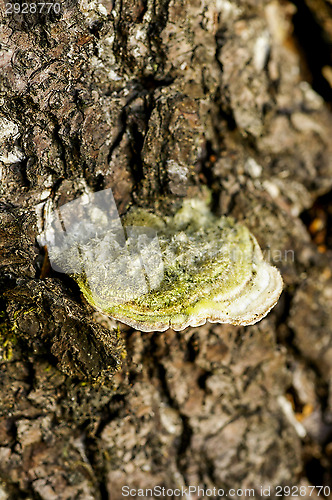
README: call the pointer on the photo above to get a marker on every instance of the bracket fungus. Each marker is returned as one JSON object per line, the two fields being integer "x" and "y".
{"x": 156, "y": 272}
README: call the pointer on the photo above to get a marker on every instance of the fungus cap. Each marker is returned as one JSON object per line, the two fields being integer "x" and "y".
{"x": 172, "y": 271}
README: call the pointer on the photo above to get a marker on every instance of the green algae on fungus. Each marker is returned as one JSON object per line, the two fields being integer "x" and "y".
{"x": 158, "y": 272}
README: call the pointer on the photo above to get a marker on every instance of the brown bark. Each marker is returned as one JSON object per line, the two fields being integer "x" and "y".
{"x": 156, "y": 99}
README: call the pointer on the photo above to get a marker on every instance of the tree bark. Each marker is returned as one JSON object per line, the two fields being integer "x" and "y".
{"x": 156, "y": 99}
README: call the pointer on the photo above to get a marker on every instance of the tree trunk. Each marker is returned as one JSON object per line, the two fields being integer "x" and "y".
{"x": 155, "y": 99}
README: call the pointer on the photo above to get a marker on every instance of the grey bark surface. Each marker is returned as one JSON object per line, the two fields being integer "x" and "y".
{"x": 156, "y": 99}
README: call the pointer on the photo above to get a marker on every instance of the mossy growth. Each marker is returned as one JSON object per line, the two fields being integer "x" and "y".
{"x": 7, "y": 338}
{"x": 174, "y": 271}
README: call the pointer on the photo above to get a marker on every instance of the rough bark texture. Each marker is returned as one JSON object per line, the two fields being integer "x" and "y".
{"x": 154, "y": 99}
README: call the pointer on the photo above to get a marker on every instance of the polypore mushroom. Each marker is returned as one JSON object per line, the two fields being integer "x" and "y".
{"x": 154, "y": 272}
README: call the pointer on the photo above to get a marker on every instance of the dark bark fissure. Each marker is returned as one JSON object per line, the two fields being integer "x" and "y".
{"x": 316, "y": 48}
